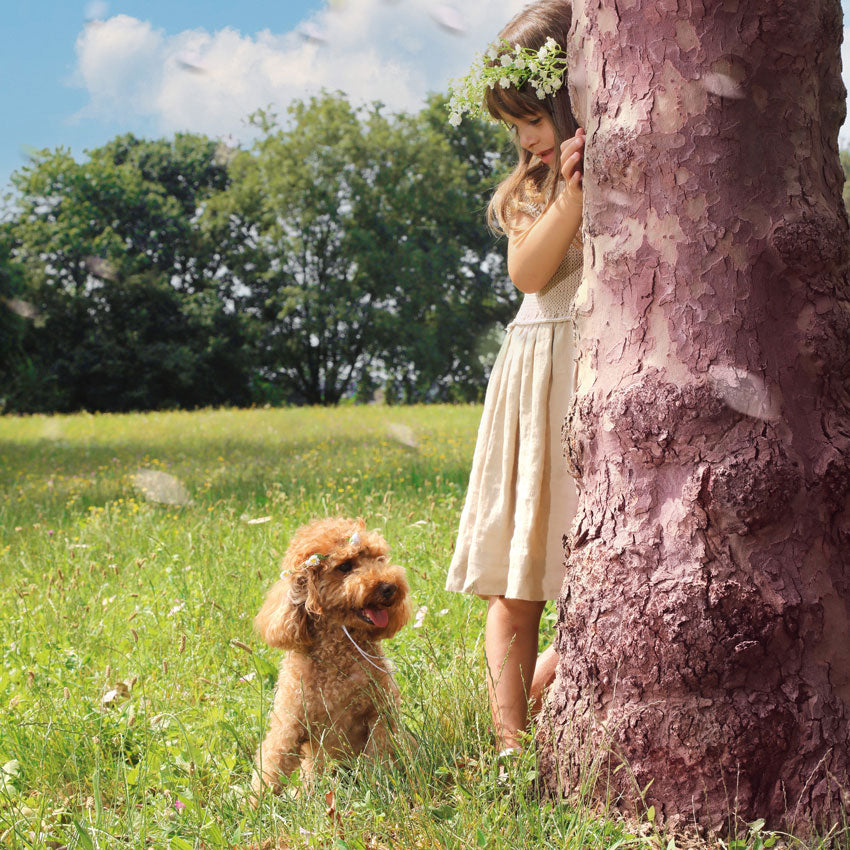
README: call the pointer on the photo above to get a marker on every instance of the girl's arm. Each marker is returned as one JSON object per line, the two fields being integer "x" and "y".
{"x": 536, "y": 250}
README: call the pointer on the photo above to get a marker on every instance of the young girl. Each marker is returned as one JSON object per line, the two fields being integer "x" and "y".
{"x": 521, "y": 499}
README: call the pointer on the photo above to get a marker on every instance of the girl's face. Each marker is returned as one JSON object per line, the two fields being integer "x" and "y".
{"x": 535, "y": 134}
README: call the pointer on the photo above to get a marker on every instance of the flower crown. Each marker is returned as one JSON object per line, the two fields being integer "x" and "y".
{"x": 507, "y": 66}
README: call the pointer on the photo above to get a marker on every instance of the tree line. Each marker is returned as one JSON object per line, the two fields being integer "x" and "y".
{"x": 343, "y": 255}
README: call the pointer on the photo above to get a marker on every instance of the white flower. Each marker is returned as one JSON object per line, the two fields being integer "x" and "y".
{"x": 557, "y": 84}
{"x": 505, "y": 83}
{"x": 313, "y": 561}
{"x": 354, "y": 540}
{"x": 551, "y": 43}
{"x": 506, "y": 60}
{"x": 492, "y": 53}
{"x": 520, "y": 63}
{"x": 454, "y": 119}
{"x": 541, "y": 94}
{"x": 541, "y": 54}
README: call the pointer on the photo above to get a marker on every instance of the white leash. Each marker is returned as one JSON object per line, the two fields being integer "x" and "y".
{"x": 370, "y": 659}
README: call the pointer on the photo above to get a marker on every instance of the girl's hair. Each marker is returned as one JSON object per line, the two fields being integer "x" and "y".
{"x": 530, "y": 28}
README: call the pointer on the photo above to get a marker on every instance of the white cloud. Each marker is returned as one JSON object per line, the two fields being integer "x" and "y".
{"x": 209, "y": 82}
{"x": 195, "y": 80}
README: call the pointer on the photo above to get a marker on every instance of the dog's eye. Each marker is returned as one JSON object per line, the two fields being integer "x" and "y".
{"x": 346, "y": 566}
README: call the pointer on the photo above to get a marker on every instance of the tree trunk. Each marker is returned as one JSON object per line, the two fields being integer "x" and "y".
{"x": 704, "y": 622}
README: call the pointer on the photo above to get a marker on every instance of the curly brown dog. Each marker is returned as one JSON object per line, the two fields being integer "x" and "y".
{"x": 338, "y": 597}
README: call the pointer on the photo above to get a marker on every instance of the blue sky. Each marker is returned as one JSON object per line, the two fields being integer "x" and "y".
{"x": 75, "y": 73}
{"x": 39, "y": 98}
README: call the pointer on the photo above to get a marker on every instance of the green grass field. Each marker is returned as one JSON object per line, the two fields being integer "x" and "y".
{"x": 132, "y": 689}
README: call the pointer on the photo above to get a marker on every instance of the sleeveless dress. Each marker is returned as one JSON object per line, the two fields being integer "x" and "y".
{"x": 521, "y": 499}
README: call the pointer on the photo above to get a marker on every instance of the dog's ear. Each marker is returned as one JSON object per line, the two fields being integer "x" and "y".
{"x": 284, "y": 620}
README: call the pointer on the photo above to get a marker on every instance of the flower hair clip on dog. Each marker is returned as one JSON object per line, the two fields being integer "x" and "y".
{"x": 313, "y": 561}
{"x": 505, "y": 66}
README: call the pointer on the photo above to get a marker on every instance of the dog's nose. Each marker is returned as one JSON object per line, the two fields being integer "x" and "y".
{"x": 387, "y": 591}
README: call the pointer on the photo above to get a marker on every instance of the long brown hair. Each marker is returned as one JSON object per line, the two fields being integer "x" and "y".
{"x": 530, "y": 29}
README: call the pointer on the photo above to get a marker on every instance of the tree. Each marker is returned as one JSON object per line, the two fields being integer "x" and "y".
{"x": 13, "y": 315}
{"x": 130, "y": 291}
{"x": 351, "y": 233}
{"x": 704, "y": 625}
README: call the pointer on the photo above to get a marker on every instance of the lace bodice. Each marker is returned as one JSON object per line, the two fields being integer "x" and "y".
{"x": 553, "y": 303}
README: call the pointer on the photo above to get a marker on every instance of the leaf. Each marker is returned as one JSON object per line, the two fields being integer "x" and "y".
{"x": 650, "y": 813}
{"x": 85, "y": 838}
{"x": 177, "y": 843}
{"x": 265, "y": 667}
{"x": 444, "y": 813}
{"x": 212, "y": 834}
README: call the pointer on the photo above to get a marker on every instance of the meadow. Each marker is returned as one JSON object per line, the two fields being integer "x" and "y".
{"x": 134, "y": 552}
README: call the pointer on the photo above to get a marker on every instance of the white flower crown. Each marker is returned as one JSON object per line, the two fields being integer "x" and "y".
{"x": 507, "y": 66}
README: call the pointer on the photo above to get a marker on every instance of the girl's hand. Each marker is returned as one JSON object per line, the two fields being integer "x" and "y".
{"x": 572, "y": 165}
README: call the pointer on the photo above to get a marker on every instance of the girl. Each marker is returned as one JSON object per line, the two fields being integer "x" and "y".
{"x": 521, "y": 499}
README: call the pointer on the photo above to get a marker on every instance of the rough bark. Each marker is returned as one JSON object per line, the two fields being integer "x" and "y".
{"x": 704, "y": 623}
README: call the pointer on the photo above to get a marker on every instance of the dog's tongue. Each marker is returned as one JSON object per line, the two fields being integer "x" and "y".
{"x": 379, "y": 616}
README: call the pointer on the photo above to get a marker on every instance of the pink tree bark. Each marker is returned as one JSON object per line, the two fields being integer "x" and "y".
{"x": 704, "y": 623}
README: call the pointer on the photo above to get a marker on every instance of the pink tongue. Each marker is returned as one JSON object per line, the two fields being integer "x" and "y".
{"x": 379, "y": 616}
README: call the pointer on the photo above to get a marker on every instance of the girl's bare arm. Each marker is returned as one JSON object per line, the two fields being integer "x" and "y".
{"x": 537, "y": 247}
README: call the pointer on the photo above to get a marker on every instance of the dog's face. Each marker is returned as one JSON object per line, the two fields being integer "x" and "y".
{"x": 335, "y": 573}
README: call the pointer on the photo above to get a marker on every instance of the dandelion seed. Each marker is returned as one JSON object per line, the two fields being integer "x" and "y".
{"x": 176, "y": 609}
{"x": 744, "y": 392}
{"x": 160, "y": 487}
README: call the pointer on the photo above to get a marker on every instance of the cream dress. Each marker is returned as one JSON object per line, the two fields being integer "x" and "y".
{"x": 521, "y": 499}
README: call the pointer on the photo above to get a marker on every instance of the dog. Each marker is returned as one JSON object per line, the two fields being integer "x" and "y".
{"x": 337, "y": 598}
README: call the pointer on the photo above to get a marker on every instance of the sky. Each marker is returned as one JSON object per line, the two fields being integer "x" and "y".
{"x": 76, "y": 73}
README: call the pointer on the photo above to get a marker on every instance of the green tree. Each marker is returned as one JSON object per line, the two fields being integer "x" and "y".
{"x": 129, "y": 288}
{"x": 13, "y": 315}
{"x": 358, "y": 244}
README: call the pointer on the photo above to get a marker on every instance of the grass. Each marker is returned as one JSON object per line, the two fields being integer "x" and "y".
{"x": 133, "y": 690}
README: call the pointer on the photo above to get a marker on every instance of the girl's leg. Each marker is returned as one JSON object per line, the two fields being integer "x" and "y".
{"x": 510, "y": 644}
{"x": 544, "y": 675}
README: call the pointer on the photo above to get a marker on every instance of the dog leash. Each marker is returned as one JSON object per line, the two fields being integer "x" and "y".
{"x": 369, "y": 657}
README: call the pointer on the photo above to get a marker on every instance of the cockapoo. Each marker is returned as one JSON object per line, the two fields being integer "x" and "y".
{"x": 338, "y": 597}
